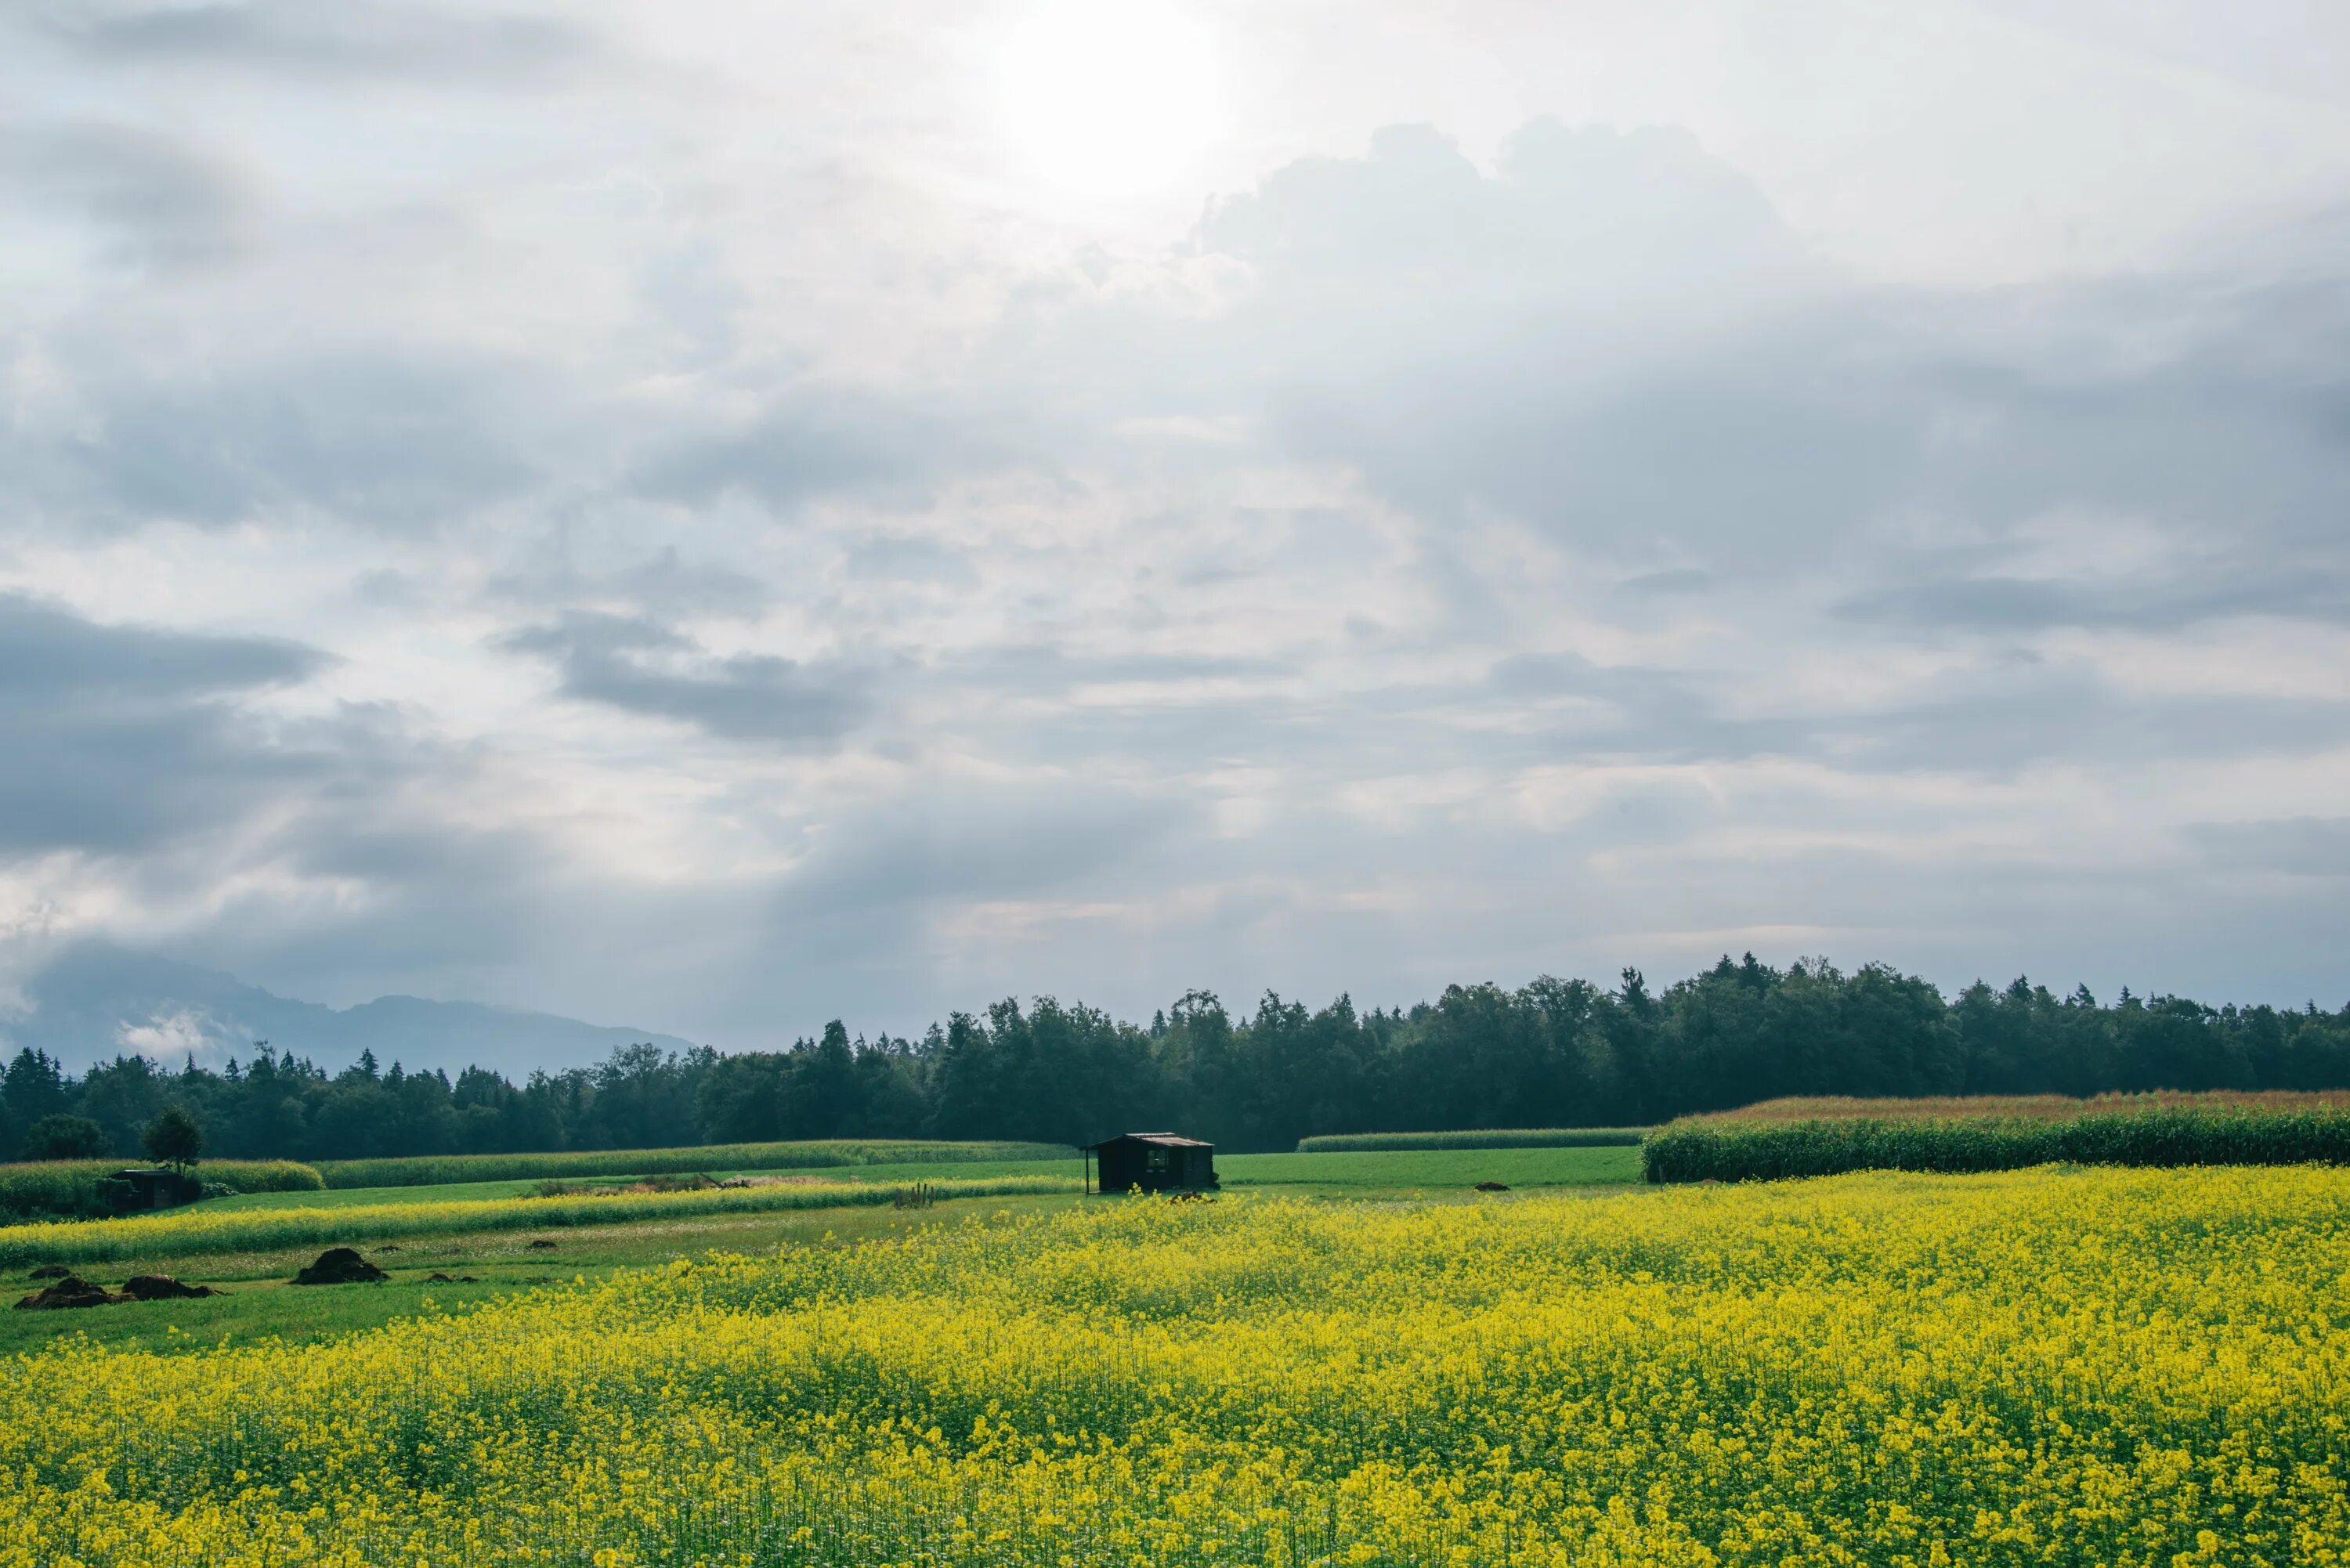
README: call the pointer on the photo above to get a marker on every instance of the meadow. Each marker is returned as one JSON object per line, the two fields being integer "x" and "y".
{"x": 201, "y": 1228}
{"x": 2126, "y": 1367}
{"x": 426, "y": 1170}
{"x": 275, "y": 1221}
{"x": 1482, "y": 1137}
{"x": 68, "y": 1188}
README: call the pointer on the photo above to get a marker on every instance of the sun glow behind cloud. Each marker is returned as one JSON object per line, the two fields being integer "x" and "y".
{"x": 1109, "y": 98}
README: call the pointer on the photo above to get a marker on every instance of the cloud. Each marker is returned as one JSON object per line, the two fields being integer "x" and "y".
{"x": 159, "y": 200}
{"x": 639, "y": 667}
{"x": 2297, "y": 846}
{"x": 123, "y": 737}
{"x": 172, "y": 1037}
{"x": 356, "y": 38}
{"x": 402, "y": 443}
{"x": 726, "y": 562}
{"x": 663, "y": 585}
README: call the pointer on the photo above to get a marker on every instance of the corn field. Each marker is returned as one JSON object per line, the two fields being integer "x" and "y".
{"x": 1730, "y": 1150}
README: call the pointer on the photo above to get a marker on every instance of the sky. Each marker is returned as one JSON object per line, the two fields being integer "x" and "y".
{"x": 725, "y": 516}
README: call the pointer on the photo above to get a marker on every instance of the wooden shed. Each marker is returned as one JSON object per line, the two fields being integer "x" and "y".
{"x": 1154, "y": 1161}
{"x": 128, "y": 1191}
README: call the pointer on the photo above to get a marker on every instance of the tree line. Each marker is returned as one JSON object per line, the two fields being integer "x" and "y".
{"x": 1555, "y": 1052}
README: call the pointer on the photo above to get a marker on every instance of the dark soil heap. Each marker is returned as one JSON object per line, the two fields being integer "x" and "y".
{"x": 163, "y": 1288}
{"x": 73, "y": 1290}
{"x": 1492, "y": 1187}
{"x": 49, "y": 1272}
{"x": 340, "y": 1266}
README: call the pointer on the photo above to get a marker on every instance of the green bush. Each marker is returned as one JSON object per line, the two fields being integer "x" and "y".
{"x": 62, "y": 1136}
{"x": 68, "y": 1188}
{"x": 435, "y": 1170}
{"x": 1770, "y": 1151}
{"x": 1491, "y": 1138}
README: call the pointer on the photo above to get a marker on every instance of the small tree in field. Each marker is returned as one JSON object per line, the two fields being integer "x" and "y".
{"x": 173, "y": 1138}
{"x": 65, "y": 1137}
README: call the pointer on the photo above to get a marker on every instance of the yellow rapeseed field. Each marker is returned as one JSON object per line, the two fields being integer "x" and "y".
{"x": 196, "y": 1229}
{"x": 2109, "y": 1367}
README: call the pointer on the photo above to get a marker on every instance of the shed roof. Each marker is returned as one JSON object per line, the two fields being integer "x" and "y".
{"x": 1169, "y": 1140}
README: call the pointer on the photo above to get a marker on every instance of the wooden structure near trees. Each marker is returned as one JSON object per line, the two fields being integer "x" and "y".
{"x": 1152, "y": 1161}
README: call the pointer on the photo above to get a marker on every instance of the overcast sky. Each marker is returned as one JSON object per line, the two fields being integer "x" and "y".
{"x": 725, "y": 515}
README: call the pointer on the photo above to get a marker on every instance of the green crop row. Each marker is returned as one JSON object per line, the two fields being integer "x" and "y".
{"x": 68, "y": 1188}
{"x": 1770, "y": 1151}
{"x": 1485, "y": 1137}
{"x": 434, "y": 1170}
{"x": 204, "y": 1229}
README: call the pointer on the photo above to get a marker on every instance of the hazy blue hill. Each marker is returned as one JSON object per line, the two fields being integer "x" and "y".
{"x": 96, "y": 1001}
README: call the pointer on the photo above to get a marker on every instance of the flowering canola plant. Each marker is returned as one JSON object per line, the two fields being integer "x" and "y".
{"x": 196, "y": 1229}
{"x": 2121, "y": 1368}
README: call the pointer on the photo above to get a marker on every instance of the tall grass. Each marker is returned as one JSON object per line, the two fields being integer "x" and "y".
{"x": 2032, "y": 1108}
{"x": 1723, "y": 1150}
{"x": 1486, "y": 1138}
{"x": 68, "y": 1188}
{"x": 185, "y": 1233}
{"x": 439, "y": 1170}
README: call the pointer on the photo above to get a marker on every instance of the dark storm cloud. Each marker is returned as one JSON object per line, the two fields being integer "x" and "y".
{"x": 119, "y": 738}
{"x": 639, "y": 667}
{"x": 349, "y": 38}
{"x": 155, "y": 199}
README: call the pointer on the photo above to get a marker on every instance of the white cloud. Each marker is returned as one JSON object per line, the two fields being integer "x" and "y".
{"x": 653, "y": 519}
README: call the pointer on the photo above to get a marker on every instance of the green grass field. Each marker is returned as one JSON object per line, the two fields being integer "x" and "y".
{"x": 259, "y": 1303}
{"x": 894, "y": 1174}
{"x": 443, "y": 1170}
{"x": 1480, "y": 1137}
{"x": 1406, "y": 1170}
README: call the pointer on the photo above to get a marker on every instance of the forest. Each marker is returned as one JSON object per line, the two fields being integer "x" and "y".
{"x": 1555, "y": 1053}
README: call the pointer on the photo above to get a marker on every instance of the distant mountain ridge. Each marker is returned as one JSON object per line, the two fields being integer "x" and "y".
{"x": 95, "y": 1001}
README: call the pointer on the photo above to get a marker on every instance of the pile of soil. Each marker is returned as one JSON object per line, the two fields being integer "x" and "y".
{"x": 542, "y": 1245}
{"x": 72, "y": 1291}
{"x": 340, "y": 1266}
{"x": 436, "y": 1278}
{"x": 1492, "y": 1187}
{"x": 163, "y": 1288}
{"x": 49, "y": 1272}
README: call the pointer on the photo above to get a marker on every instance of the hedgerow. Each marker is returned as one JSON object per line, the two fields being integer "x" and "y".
{"x": 1717, "y": 1150}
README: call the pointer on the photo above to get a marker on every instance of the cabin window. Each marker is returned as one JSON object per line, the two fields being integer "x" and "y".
{"x": 1157, "y": 1163}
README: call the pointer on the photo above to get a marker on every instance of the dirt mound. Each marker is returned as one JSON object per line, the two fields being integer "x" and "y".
{"x": 72, "y": 1291}
{"x": 340, "y": 1266}
{"x": 436, "y": 1278}
{"x": 163, "y": 1288}
{"x": 1492, "y": 1187}
{"x": 542, "y": 1245}
{"x": 49, "y": 1272}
